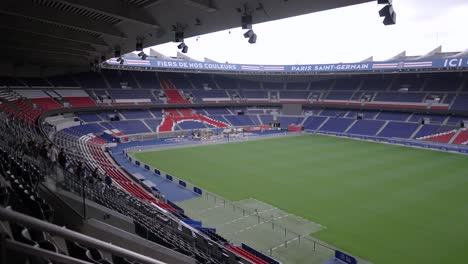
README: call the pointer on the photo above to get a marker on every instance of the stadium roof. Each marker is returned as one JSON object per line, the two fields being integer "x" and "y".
{"x": 72, "y": 33}
{"x": 436, "y": 53}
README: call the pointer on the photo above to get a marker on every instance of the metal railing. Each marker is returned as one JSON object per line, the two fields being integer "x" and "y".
{"x": 31, "y": 222}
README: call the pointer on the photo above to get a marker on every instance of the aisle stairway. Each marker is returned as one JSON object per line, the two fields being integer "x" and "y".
{"x": 173, "y": 95}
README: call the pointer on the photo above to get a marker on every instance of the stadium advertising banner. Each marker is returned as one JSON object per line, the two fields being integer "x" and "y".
{"x": 451, "y": 63}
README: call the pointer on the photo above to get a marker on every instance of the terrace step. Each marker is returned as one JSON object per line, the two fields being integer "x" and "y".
{"x": 382, "y": 128}
{"x": 323, "y": 123}
{"x": 350, "y": 126}
{"x": 455, "y": 136}
{"x": 416, "y": 131}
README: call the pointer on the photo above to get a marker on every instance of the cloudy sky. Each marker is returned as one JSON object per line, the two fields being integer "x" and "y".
{"x": 349, "y": 34}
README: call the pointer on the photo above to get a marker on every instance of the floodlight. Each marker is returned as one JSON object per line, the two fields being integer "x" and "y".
{"x": 249, "y": 34}
{"x": 181, "y": 45}
{"x": 389, "y": 14}
{"x": 185, "y": 49}
{"x": 390, "y": 20}
{"x": 253, "y": 39}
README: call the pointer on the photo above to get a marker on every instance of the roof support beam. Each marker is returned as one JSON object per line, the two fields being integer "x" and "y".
{"x": 118, "y": 9}
{"x": 206, "y": 5}
{"x": 54, "y": 51}
{"x": 17, "y": 37}
{"x": 39, "y": 47}
{"x": 21, "y": 24}
{"x": 25, "y": 8}
{"x": 18, "y": 58}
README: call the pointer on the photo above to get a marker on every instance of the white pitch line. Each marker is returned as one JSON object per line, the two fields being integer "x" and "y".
{"x": 214, "y": 207}
{"x": 252, "y": 226}
{"x": 240, "y": 218}
{"x": 282, "y": 245}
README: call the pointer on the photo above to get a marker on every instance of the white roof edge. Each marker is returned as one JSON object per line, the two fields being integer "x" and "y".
{"x": 432, "y": 52}
{"x": 399, "y": 56}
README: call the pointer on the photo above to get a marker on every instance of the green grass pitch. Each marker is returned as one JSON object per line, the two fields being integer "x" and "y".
{"x": 388, "y": 204}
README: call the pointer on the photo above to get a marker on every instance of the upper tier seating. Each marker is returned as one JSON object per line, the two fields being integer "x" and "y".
{"x": 346, "y": 84}
{"x": 209, "y": 95}
{"x": 297, "y": 85}
{"x": 117, "y": 78}
{"x": 294, "y": 95}
{"x": 339, "y": 96}
{"x": 36, "y": 82}
{"x": 11, "y": 82}
{"x": 131, "y": 96}
{"x": 273, "y": 86}
{"x": 333, "y": 113}
{"x": 76, "y": 98}
{"x": 254, "y": 94}
{"x": 244, "y": 84}
{"x": 147, "y": 80}
{"x": 200, "y": 81}
{"x": 376, "y": 83}
{"x": 443, "y": 82}
{"x": 62, "y": 81}
{"x": 226, "y": 83}
{"x": 393, "y": 116}
{"x": 409, "y": 82}
{"x": 400, "y": 97}
{"x": 174, "y": 97}
{"x": 90, "y": 80}
{"x": 461, "y": 103}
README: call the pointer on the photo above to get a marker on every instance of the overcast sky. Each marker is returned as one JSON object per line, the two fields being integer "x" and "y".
{"x": 348, "y": 34}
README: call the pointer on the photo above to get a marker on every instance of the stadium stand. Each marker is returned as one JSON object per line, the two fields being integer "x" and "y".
{"x": 366, "y": 127}
{"x": 461, "y": 137}
{"x": 336, "y": 125}
{"x": 86, "y": 140}
{"x": 398, "y": 130}
{"x": 76, "y": 98}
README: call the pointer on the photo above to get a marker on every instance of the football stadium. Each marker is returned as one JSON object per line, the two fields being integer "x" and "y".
{"x": 113, "y": 152}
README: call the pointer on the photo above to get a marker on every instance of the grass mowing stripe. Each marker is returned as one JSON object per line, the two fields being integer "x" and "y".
{"x": 389, "y": 204}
